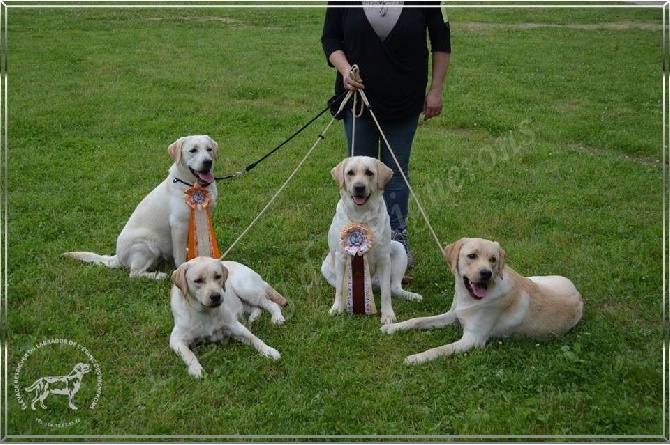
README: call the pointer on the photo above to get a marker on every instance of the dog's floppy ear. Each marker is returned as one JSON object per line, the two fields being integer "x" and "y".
{"x": 384, "y": 174}
{"x": 451, "y": 253}
{"x": 215, "y": 148}
{"x": 175, "y": 149}
{"x": 338, "y": 173}
{"x": 179, "y": 279}
{"x": 501, "y": 260}
{"x": 224, "y": 273}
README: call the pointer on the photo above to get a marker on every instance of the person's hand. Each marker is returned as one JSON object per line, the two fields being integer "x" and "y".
{"x": 432, "y": 106}
{"x": 352, "y": 80}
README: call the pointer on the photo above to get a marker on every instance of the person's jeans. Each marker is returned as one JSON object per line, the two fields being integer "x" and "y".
{"x": 368, "y": 142}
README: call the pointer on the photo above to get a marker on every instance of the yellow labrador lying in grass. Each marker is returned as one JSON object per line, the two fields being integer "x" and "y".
{"x": 208, "y": 297}
{"x": 158, "y": 228}
{"x": 492, "y": 300}
{"x": 361, "y": 180}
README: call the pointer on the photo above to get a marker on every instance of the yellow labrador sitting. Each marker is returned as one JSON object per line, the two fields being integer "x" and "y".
{"x": 158, "y": 228}
{"x": 361, "y": 180}
{"x": 208, "y": 296}
{"x": 492, "y": 300}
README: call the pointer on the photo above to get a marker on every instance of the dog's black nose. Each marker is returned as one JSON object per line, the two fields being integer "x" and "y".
{"x": 359, "y": 189}
{"x": 207, "y": 164}
{"x": 485, "y": 274}
{"x": 215, "y": 297}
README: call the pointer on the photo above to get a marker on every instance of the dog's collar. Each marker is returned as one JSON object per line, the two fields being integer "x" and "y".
{"x": 202, "y": 183}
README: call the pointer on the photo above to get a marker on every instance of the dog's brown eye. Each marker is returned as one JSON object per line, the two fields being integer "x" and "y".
{"x": 217, "y": 277}
{"x": 472, "y": 256}
{"x": 369, "y": 173}
{"x": 198, "y": 281}
{"x": 350, "y": 173}
{"x": 493, "y": 259}
{"x": 193, "y": 150}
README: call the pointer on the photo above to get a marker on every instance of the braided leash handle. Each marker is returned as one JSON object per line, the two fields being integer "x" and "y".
{"x": 355, "y": 73}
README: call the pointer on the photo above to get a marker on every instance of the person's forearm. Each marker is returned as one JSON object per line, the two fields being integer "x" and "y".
{"x": 440, "y": 68}
{"x": 339, "y": 60}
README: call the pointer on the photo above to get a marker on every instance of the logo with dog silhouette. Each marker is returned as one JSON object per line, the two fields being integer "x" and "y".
{"x": 66, "y": 385}
{"x": 57, "y": 396}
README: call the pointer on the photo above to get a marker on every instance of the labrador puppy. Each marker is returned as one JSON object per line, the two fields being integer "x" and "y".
{"x": 158, "y": 228}
{"x": 361, "y": 181}
{"x": 208, "y": 297}
{"x": 492, "y": 300}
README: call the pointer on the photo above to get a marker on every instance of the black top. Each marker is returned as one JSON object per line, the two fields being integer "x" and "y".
{"x": 395, "y": 71}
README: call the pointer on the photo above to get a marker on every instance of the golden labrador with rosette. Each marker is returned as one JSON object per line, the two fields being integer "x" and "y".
{"x": 158, "y": 228}
{"x": 361, "y": 180}
{"x": 492, "y": 300}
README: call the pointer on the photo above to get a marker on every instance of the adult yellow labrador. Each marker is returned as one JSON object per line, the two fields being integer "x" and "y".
{"x": 492, "y": 300}
{"x": 361, "y": 181}
{"x": 158, "y": 228}
{"x": 208, "y": 297}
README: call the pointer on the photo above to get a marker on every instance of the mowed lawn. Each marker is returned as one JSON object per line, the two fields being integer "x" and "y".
{"x": 550, "y": 143}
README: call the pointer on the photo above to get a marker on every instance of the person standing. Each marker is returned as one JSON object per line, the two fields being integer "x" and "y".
{"x": 388, "y": 41}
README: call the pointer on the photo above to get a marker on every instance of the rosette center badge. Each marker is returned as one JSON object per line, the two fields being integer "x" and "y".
{"x": 356, "y": 239}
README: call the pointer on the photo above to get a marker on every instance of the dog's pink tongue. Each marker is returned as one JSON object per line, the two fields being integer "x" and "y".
{"x": 359, "y": 201}
{"x": 206, "y": 177}
{"x": 478, "y": 290}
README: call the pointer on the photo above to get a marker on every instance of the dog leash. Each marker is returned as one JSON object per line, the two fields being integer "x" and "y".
{"x": 275, "y": 149}
{"x": 319, "y": 138}
{"x": 271, "y": 152}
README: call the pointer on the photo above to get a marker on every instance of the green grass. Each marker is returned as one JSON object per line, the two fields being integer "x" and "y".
{"x": 550, "y": 143}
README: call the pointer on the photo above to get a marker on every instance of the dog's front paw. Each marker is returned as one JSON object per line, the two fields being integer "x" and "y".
{"x": 278, "y": 319}
{"x": 153, "y": 275}
{"x": 336, "y": 309}
{"x": 255, "y": 313}
{"x": 414, "y": 359}
{"x": 270, "y": 352}
{"x": 389, "y": 328}
{"x": 413, "y": 296}
{"x": 388, "y": 317}
{"x": 195, "y": 370}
